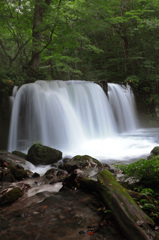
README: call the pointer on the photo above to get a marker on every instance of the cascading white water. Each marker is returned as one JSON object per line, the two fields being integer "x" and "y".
{"x": 60, "y": 114}
{"x": 123, "y": 105}
{"x": 76, "y": 117}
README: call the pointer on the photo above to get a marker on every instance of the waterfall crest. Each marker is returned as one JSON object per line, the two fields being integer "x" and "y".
{"x": 64, "y": 114}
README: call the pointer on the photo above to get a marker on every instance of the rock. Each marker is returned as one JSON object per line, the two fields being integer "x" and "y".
{"x": 19, "y": 174}
{"x": 81, "y": 162}
{"x": 8, "y": 178}
{"x": 43, "y": 155}
{"x": 11, "y": 196}
{"x": 35, "y": 175}
{"x": 20, "y": 154}
{"x": 55, "y": 175}
{"x": 11, "y": 170}
{"x": 155, "y": 151}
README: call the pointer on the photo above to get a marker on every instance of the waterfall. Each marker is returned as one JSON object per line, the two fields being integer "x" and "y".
{"x": 123, "y": 105}
{"x": 65, "y": 114}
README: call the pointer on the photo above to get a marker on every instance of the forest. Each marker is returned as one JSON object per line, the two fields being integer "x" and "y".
{"x": 113, "y": 41}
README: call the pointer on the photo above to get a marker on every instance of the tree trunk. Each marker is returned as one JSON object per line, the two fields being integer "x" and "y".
{"x": 134, "y": 223}
{"x": 39, "y": 10}
{"x": 132, "y": 220}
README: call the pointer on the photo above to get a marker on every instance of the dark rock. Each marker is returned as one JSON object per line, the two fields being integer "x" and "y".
{"x": 43, "y": 155}
{"x": 35, "y": 175}
{"x": 11, "y": 196}
{"x": 8, "y": 178}
{"x": 19, "y": 174}
{"x": 55, "y": 175}
{"x": 20, "y": 154}
{"x": 71, "y": 181}
{"x": 155, "y": 151}
{"x": 51, "y": 173}
{"x": 81, "y": 162}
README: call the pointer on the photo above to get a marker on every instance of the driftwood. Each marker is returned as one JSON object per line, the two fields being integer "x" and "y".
{"x": 134, "y": 223}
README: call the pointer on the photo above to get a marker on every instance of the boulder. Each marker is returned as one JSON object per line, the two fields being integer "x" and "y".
{"x": 155, "y": 151}
{"x": 85, "y": 163}
{"x": 43, "y": 155}
{"x": 55, "y": 175}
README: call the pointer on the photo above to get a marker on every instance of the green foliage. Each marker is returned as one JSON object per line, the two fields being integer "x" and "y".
{"x": 114, "y": 41}
{"x": 145, "y": 171}
{"x": 134, "y": 81}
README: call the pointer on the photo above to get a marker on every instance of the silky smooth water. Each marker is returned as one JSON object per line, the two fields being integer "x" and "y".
{"x": 77, "y": 117}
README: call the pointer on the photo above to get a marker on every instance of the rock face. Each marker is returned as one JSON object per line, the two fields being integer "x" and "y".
{"x": 43, "y": 155}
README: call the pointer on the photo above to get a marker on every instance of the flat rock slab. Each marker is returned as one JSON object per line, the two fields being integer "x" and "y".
{"x": 66, "y": 215}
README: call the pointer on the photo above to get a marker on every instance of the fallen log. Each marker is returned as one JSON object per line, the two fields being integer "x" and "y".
{"x": 133, "y": 222}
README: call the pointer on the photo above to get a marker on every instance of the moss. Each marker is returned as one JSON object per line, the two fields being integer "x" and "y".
{"x": 39, "y": 154}
{"x": 20, "y": 154}
{"x": 108, "y": 178}
{"x": 113, "y": 192}
{"x": 155, "y": 151}
{"x": 11, "y": 196}
{"x": 86, "y": 159}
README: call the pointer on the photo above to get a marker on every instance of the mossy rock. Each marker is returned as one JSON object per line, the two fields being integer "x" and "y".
{"x": 11, "y": 196}
{"x": 39, "y": 154}
{"x": 20, "y": 154}
{"x": 155, "y": 151}
{"x": 81, "y": 162}
{"x": 87, "y": 160}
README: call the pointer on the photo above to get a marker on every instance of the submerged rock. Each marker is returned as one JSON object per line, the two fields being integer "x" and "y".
{"x": 43, "y": 155}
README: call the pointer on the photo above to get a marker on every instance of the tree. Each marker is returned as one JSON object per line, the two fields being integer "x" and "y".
{"x": 39, "y": 11}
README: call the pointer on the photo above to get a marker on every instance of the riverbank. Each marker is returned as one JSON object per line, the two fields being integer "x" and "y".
{"x": 49, "y": 210}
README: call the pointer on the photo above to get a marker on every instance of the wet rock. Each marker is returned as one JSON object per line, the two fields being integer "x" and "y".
{"x": 35, "y": 175}
{"x": 71, "y": 181}
{"x": 10, "y": 171}
{"x": 20, "y": 154}
{"x": 19, "y": 174}
{"x": 81, "y": 162}
{"x": 43, "y": 155}
{"x": 11, "y": 159}
{"x": 55, "y": 175}
{"x": 11, "y": 196}
{"x": 8, "y": 178}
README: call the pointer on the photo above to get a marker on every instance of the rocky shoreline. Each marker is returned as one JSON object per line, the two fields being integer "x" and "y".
{"x": 52, "y": 206}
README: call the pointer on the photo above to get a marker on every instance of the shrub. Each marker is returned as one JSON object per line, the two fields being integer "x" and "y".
{"x": 146, "y": 171}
